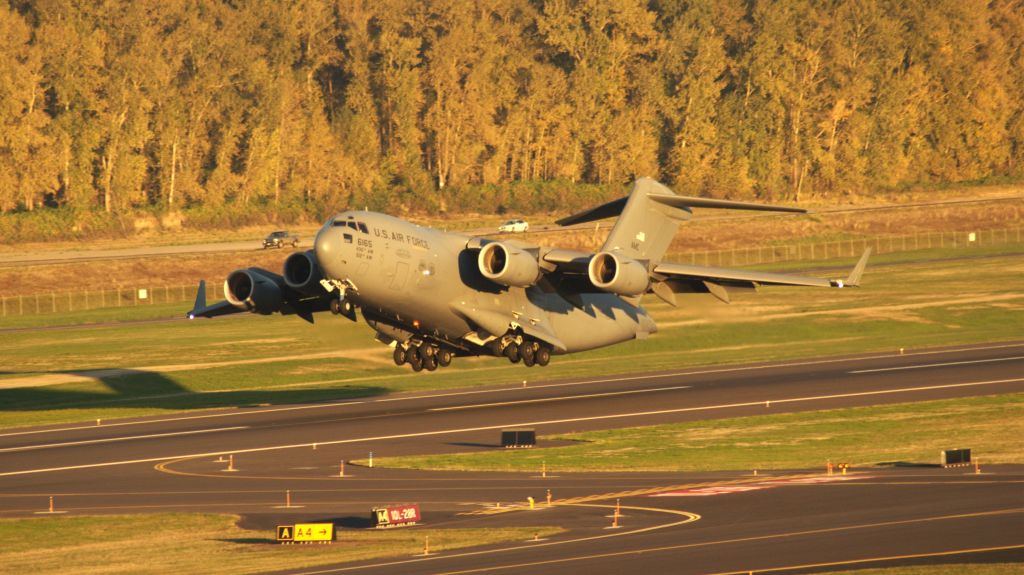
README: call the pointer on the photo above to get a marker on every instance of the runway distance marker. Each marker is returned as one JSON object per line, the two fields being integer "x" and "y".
{"x": 517, "y": 424}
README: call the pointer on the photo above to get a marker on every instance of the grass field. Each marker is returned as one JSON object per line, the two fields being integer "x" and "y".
{"x": 107, "y": 371}
{"x": 208, "y": 543}
{"x": 903, "y": 433}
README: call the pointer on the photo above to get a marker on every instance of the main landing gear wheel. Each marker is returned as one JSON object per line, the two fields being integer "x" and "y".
{"x": 512, "y": 352}
{"x": 543, "y": 355}
{"x": 444, "y": 357}
{"x": 526, "y": 353}
{"x": 415, "y": 362}
{"x": 430, "y": 364}
{"x": 399, "y": 355}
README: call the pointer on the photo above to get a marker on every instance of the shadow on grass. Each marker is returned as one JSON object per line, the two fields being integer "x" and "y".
{"x": 135, "y": 388}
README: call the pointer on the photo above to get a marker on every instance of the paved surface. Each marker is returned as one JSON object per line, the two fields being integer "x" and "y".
{"x": 679, "y": 523}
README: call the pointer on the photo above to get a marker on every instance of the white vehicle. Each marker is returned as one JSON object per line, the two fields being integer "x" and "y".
{"x": 514, "y": 226}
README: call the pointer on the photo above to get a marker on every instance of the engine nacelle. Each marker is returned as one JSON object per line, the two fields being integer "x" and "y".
{"x": 255, "y": 290}
{"x": 618, "y": 275}
{"x": 302, "y": 273}
{"x": 508, "y": 266}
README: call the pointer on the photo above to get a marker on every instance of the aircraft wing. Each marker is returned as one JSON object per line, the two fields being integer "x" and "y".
{"x": 715, "y": 280}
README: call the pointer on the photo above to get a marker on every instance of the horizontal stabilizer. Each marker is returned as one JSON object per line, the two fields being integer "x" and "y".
{"x": 615, "y": 207}
{"x": 684, "y": 202}
{"x": 608, "y": 210}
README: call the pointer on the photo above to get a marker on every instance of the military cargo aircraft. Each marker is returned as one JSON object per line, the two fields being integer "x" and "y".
{"x": 433, "y": 295}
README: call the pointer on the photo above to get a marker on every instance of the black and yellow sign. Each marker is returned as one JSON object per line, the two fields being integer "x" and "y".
{"x": 305, "y": 532}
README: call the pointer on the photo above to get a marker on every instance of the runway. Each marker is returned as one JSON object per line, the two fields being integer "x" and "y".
{"x": 709, "y": 523}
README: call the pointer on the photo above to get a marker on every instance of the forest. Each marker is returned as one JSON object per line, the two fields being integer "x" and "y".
{"x": 114, "y": 107}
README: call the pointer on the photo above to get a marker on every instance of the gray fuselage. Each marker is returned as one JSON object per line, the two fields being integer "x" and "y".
{"x": 427, "y": 283}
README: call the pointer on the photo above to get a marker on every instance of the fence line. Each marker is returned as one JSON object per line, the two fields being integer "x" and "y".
{"x": 848, "y": 248}
{"x": 71, "y": 301}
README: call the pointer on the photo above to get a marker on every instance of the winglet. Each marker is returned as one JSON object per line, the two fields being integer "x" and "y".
{"x": 858, "y": 270}
{"x": 200, "y": 304}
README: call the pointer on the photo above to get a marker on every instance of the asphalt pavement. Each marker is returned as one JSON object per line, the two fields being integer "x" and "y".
{"x": 245, "y": 460}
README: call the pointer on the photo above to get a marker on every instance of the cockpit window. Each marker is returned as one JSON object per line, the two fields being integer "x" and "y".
{"x": 363, "y": 228}
{"x": 338, "y": 223}
{"x": 352, "y": 225}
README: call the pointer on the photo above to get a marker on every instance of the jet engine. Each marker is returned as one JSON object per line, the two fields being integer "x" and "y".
{"x": 618, "y": 275}
{"x": 255, "y": 290}
{"x": 302, "y": 273}
{"x": 508, "y": 266}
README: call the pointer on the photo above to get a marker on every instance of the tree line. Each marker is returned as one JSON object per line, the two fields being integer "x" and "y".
{"x": 121, "y": 105}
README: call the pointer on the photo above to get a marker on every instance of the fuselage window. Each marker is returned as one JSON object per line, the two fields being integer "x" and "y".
{"x": 348, "y": 238}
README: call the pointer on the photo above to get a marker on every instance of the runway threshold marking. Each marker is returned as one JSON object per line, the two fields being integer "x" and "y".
{"x": 113, "y": 439}
{"x": 689, "y": 518}
{"x": 874, "y": 560}
{"x": 562, "y": 398}
{"x": 945, "y": 364}
{"x": 516, "y": 424}
{"x": 727, "y": 541}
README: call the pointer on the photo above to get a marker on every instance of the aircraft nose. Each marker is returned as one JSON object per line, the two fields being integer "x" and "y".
{"x": 328, "y": 248}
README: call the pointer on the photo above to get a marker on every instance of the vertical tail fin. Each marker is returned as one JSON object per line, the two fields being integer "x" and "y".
{"x": 646, "y": 227}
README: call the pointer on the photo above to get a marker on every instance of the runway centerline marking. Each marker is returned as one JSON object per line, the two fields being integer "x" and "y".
{"x": 512, "y": 424}
{"x": 113, "y": 439}
{"x": 563, "y": 398}
{"x": 538, "y": 386}
{"x": 927, "y": 365}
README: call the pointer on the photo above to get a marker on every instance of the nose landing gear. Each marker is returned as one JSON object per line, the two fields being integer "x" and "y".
{"x": 343, "y": 307}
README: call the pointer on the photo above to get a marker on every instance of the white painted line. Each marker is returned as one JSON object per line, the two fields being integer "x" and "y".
{"x": 183, "y": 418}
{"x": 112, "y": 439}
{"x": 517, "y": 424}
{"x": 562, "y": 398}
{"x": 927, "y": 365}
{"x": 541, "y": 386}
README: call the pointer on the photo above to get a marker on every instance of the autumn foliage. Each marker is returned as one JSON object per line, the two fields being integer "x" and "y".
{"x": 259, "y": 105}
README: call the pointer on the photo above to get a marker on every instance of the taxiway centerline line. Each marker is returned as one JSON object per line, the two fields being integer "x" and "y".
{"x": 874, "y": 560}
{"x": 727, "y": 541}
{"x": 534, "y": 423}
{"x": 927, "y": 365}
{"x": 112, "y": 439}
{"x": 541, "y": 386}
{"x": 567, "y": 397}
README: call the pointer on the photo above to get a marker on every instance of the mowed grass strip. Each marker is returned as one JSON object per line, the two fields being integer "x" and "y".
{"x": 154, "y": 368}
{"x": 209, "y": 543}
{"x": 902, "y": 433}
